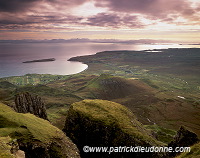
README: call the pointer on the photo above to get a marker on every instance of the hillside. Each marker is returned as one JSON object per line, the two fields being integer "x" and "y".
{"x": 111, "y": 87}
{"x": 105, "y": 123}
{"x": 151, "y": 105}
{"x": 172, "y": 73}
{"x": 146, "y": 100}
{"x": 35, "y": 136}
{"x": 175, "y": 70}
{"x": 160, "y": 87}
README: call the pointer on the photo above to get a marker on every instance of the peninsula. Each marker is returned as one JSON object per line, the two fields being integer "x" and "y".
{"x": 40, "y": 60}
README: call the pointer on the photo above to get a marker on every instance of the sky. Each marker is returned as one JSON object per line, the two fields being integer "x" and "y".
{"x": 159, "y": 20}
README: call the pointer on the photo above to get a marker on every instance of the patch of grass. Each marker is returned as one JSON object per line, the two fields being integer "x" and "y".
{"x": 56, "y": 115}
{"x": 149, "y": 82}
{"x": 41, "y": 90}
{"x": 162, "y": 134}
{"x": 40, "y": 129}
{"x": 33, "y": 79}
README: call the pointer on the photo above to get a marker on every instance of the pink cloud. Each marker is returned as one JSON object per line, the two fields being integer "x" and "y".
{"x": 114, "y": 21}
{"x": 152, "y": 8}
{"x": 55, "y": 14}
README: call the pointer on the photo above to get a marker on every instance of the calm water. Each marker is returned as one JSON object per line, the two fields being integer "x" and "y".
{"x": 12, "y": 56}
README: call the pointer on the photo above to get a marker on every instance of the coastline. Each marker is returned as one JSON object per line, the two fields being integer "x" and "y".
{"x": 89, "y": 60}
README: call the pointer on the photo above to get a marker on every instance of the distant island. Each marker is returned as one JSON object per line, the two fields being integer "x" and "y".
{"x": 40, "y": 60}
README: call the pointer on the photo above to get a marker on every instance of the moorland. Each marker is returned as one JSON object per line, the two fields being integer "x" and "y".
{"x": 160, "y": 87}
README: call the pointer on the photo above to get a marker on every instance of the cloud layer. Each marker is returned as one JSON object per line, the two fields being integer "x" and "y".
{"x": 120, "y": 14}
{"x": 25, "y": 5}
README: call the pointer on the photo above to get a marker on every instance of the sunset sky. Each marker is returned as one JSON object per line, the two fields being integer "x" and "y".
{"x": 166, "y": 20}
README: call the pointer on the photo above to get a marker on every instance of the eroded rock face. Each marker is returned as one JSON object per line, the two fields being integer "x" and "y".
{"x": 26, "y": 103}
{"x": 183, "y": 138}
{"x": 61, "y": 147}
{"x": 101, "y": 123}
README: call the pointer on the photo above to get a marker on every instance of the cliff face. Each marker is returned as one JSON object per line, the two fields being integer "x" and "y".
{"x": 104, "y": 123}
{"x": 35, "y": 136}
{"x": 26, "y": 103}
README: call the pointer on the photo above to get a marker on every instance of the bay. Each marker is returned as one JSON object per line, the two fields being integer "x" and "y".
{"x": 13, "y": 55}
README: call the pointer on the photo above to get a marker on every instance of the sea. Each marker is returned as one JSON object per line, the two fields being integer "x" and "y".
{"x": 13, "y": 55}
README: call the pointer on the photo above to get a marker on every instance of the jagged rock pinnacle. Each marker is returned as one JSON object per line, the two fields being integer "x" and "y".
{"x": 26, "y": 103}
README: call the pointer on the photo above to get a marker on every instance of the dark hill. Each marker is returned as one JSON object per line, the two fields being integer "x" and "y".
{"x": 6, "y": 84}
{"x": 132, "y": 93}
{"x": 111, "y": 87}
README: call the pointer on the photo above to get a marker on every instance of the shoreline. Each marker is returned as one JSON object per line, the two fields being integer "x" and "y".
{"x": 5, "y": 77}
{"x": 85, "y": 59}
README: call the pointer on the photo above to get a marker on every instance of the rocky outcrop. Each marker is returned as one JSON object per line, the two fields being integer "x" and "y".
{"x": 33, "y": 135}
{"x": 183, "y": 138}
{"x": 10, "y": 149}
{"x": 101, "y": 123}
{"x": 26, "y": 103}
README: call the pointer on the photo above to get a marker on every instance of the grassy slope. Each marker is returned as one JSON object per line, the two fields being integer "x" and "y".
{"x": 110, "y": 113}
{"x": 162, "y": 134}
{"x": 38, "y": 128}
{"x": 105, "y": 123}
{"x": 29, "y": 128}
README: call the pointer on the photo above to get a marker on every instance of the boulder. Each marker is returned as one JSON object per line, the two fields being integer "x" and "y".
{"x": 183, "y": 138}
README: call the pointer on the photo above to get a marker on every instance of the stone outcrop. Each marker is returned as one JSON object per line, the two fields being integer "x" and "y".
{"x": 10, "y": 149}
{"x": 26, "y": 103}
{"x": 101, "y": 123}
{"x": 183, "y": 138}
